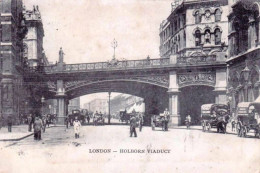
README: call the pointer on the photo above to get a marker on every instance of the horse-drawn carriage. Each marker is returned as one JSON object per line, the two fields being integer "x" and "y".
{"x": 214, "y": 116}
{"x": 124, "y": 116}
{"x": 76, "y": 113}
{"x": 247, "y": 117}
{"x": 159, "y": 121}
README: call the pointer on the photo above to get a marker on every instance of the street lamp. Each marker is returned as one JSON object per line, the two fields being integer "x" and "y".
{"x": 109, "y": 116}
{"x": 26, "y": 110}
{"x": 246, "y": 73}
{"x": 42, "y": 100}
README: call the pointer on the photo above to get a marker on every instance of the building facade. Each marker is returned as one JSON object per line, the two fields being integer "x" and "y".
{"x": 12, "y": 32}
{"x": 100, "y": 105}
{"x": 126, "y": 102}
{"x": 195, "y": 35}
{"x": 33, "y": 41}
{"x": 244, "y": 49}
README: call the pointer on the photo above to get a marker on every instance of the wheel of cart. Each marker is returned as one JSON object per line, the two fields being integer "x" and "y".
{"x": 208, "y": 126}
{"x": 244, "y": 131}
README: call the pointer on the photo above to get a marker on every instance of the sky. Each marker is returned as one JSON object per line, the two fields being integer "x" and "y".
{"x": 85, "y": 29}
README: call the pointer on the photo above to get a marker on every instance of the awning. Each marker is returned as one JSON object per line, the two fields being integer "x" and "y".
{"x": 243, "y": 104}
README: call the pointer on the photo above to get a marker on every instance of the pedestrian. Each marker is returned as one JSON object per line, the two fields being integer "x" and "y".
{"x": 67, "y": 121}
{"x": 9, "y": 123}
{"x": 44, "y": 122}
{"x": 37, "y": 128}
{"x": 1, "y": 121}
{"x": 188, "y": 121}
{"x": 29, "y": 120}
{"x": 76, "y": 125}
{"x": 88, "y": 118}
{"x": 141, "y": 121}
{"x": 133, "y": 125}
{"x": 166, "y": 114}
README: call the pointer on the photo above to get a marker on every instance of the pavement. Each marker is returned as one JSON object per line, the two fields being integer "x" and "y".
{"x": 19, "y": 132}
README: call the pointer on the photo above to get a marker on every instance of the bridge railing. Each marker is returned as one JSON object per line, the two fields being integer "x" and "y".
{"x": 197, "y": 60}
{"x": 114, "y": 64}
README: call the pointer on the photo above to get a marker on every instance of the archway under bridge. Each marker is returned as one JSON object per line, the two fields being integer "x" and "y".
{"x": 191, "y": 99}
{"x": 155, "y": 96}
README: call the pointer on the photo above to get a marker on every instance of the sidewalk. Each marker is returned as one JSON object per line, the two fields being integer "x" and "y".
{"x": 18, "y": 132}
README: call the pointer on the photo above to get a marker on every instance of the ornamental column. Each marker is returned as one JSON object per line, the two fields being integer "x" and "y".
{"x": 174, "y": 107}
{"x": 61, "y": 102}
{"x": 251, "y": 32}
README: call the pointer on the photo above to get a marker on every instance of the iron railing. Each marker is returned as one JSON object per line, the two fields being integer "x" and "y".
{"x": 112, "y": 65}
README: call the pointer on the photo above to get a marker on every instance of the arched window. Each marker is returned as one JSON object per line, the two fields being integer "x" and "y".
{"x": 217, "y": 36}
{"x": 197, "y": 17}
{"x": 197, "y": 38}
{"x": 217, "y": 15}
{"x": 207, "y": 36}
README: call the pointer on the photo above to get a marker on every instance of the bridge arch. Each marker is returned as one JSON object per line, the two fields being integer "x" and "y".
{"x": 192, "y": 97}
{"x": 128, "y": 86}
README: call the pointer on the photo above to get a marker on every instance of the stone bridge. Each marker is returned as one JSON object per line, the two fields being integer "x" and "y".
{"x": 158, "y": 81}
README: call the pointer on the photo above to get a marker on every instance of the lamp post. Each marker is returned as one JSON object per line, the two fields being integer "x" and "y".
{"x": 109, "y": 116}
{"x": 26, "y": 111}
{"x": 114, "y": 46}
{"x": 245, "y": 73}
{"x": 42, "y": 100}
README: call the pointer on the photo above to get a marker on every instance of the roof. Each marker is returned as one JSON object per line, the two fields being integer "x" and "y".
{"x": 207, "y": 106}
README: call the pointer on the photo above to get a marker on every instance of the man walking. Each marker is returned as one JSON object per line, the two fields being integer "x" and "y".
{"x": 133, "y": 126}
{"x": 76, "y": 125}
{"x": 141, "y": 121}
{"x": 29, "y": 120}
{"x": 37, "y": 128}
{"x": 166, "y": 114}
{"x": 9, "y": 123}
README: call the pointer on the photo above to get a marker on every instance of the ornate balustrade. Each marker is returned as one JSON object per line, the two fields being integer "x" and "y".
{"x": 197, "y": 59}
{"x": 112, "y": 65}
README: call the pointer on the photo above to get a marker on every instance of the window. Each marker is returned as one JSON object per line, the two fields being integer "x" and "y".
{"x": 197, "y": 17}
{"x": 207, "y": 37}
{"x": 217, "y": 15}
{"x": 197, "y": 38}
{"x": 217, "y": 36}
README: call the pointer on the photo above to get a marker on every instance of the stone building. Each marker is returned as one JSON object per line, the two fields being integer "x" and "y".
{"x": 126, "y": 102}
{"x": 244, "y": 49}
{"x": 33, "y": 41}
{"x": 12, "y": 32}
{"x": 194, "y": 38}
{"x": 100, "y": 105}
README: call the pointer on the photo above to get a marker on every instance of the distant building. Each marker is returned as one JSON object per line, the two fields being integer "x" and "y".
{"x": 100, "y": 105}
{"x": 126, "y": 102}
